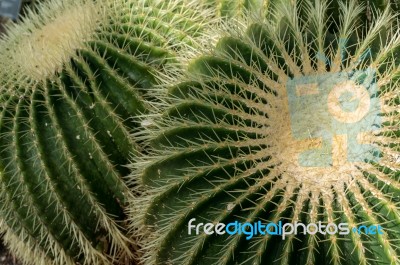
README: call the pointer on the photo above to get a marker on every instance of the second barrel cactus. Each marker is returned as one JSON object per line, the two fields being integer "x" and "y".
{"x": 291, "y": 120}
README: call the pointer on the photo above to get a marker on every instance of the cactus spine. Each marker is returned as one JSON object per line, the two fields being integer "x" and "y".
{"x": 73, "y": 76}
{"x": 234, "y": 9}
{"x": 224, "y": 149}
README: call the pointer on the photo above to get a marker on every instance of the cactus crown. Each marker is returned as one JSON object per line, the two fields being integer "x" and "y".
{"x": 41, "y": 45}
{"x": 292, "y": 118}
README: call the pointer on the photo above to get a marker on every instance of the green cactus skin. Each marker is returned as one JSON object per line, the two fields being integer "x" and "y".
{"x": 237, "y": 8}
{"x": 222, "y": 151}
{"x": 370, "y": 7}
{"x": 73, "y": 76}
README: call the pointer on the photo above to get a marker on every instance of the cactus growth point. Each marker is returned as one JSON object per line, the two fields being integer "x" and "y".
{"x": 294, "y": 118}
{"x": 74, "y": 74}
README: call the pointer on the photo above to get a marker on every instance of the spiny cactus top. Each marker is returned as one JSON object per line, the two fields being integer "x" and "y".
{"x": 291, "y": 119}
{"x": 72, "y": 77}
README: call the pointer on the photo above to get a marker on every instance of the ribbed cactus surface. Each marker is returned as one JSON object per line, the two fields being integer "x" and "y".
{"x": 74, "y": 75}
{"x": 237, "y": 8}
{"x": 290, "y": 119}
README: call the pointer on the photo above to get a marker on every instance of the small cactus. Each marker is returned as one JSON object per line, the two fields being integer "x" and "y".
{"x": 260, "y": 130}
{"x": 74, "y": 73}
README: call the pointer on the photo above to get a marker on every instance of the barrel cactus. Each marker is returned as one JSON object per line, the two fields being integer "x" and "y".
{"x": 290, "y": 120}
{"x": 74, "y": 74}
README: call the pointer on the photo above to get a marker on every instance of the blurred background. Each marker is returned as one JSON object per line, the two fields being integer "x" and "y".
{"x": 12, "y": 10}
{"x": 6, "y": 258}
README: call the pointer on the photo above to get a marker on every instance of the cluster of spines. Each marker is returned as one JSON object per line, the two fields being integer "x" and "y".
{"x": 235, "y": 9}
{"x": 213, "y": 157}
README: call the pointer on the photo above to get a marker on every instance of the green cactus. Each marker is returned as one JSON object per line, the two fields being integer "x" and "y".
{"x": 237, "y": 8}
{"x": 74, "y": 73}
{"x": 229, "y": 146}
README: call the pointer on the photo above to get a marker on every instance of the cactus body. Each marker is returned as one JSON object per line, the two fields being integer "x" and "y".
{"x": 235, "y": 144}
{"x": 73, "y": 76}
{"x": 234, "y": 9}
